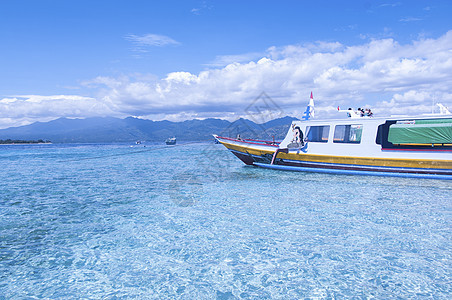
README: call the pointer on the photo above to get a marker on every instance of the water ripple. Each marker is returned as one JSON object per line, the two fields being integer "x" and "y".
{"x": 112, "y": 221}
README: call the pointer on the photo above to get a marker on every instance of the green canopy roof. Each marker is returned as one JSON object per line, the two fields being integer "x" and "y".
{"x": 433, "y": 131}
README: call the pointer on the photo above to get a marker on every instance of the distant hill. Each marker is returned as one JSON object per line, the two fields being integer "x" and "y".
{"x": 106, "y": 130}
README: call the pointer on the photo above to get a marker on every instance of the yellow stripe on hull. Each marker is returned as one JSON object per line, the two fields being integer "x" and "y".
{"x": 348, "y": 160}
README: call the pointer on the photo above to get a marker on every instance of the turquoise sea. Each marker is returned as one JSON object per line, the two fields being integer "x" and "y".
{"x": 108, "y": 221}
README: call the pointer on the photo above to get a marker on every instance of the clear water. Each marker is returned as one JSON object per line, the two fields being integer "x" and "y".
{"x": 192, "y": 222}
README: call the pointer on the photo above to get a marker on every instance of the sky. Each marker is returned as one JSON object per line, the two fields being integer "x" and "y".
{"x": 180, "y": 60}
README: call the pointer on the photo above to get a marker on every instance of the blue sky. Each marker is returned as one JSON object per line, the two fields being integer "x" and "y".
{"x": 184, "y": 59}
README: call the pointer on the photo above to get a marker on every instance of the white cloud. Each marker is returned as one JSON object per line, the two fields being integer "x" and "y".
{"x": 388, "y": 76}
{"x": 224, "y": 60}
{"x": 390, "y": 4}
{"x": 25, "y": 109}
{"x": 411, "y": 101}
{"x": 201, "y": 8}
{"x": 151, "y": 40}
{"x": 143, "y": 42}
{"x": 410, "y": 19}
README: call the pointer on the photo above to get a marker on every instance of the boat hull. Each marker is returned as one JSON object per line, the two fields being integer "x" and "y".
{"x": 170, "y": 141}
{"x": 261, "y": 155}
{"x": 353, "y": 171}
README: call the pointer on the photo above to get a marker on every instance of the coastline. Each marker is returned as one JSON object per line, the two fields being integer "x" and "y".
{"x": 10, "y": 144}
{"x": 23, "y": 142}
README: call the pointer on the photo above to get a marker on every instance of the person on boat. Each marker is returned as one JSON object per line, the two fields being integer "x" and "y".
{"x": 361, "y": 111}
{"x": 238, "y": 137}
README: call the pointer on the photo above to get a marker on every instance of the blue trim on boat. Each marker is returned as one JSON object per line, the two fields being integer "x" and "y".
{"x": 382, "y": 169}
{"x": 376, "y": 168}
{"x": 353, "y": 172}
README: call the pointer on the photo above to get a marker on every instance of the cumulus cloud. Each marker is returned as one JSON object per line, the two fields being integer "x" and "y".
{"x": 25, "y": 109}
{"x": 224, "y": 60}
{"x": 382, "y": 74}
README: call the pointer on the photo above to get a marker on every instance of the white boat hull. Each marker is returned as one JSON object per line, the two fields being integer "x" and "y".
{"x": 365, "y": 157}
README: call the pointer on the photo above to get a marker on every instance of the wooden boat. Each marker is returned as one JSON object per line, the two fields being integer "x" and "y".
{"x": 419, "y": 146}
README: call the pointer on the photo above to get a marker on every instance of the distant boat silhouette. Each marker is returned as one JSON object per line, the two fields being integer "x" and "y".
{"x": 171, "y": 141}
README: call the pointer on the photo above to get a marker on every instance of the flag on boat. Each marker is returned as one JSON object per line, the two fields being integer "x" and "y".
{"x": 309, "y": 113}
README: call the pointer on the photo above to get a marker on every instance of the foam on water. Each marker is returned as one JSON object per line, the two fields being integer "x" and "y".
{"x": 193, "y": 222}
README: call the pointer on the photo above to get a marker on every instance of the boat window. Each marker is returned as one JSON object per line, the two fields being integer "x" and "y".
{"x": 317, "y": 133}
{"x": 379, "y": 138}
{"x": 348, "y": 133}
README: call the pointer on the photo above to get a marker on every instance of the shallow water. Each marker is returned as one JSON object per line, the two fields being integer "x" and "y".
{"x": 192, "y": 222}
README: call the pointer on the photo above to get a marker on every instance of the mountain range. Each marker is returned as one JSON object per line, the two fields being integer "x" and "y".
{"x": 109, "y": 129}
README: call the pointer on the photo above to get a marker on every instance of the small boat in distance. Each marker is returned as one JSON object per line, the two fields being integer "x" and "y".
{"x": 401, "y": 146}
{"x": 171, "y": 141}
